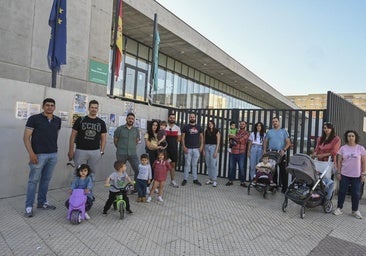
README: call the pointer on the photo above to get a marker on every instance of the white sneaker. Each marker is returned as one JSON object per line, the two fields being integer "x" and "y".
{"x": 87, "y": 217}
{"x": 357, "y": 214}
{"x": 147, "y": 190}
{"x": 214, "y": 184}
{"x": 174, "y": 184}
{"x": 148, "y": 199}
{"x": 156, "y": 191}
{"x": 160, "y": 199}
{"x": 338, "y": 211}
{"x": 208, "y": 182}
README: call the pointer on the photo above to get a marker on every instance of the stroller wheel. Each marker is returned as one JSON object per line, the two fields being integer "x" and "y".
{"x": 75, "y": 217}
{"x": 328, "y": 206}
{"x": 284, "y": 205}
{"x": 302, "y": 212}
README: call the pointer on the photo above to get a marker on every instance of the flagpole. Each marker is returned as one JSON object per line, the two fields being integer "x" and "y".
{"x": 152, "y": 71}
{"x": 114, "y": 46}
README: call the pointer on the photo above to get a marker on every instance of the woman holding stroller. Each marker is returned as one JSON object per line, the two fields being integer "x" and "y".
{"x": 255, "y": 147}
{"x": 351, "y": 170}
{"x": 327, "y": 145}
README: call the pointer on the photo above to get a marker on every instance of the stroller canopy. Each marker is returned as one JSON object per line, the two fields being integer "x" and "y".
{"x": 302, "y": 167}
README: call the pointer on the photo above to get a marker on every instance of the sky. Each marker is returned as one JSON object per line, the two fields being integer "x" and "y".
{"x": 296, "y": 46}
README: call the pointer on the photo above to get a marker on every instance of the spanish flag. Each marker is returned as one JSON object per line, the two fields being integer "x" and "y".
{"x": 118, "y": 41}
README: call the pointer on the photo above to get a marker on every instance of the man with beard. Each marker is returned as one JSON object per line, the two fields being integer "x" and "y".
{"x": 125, "y": 139}
{"x": 89, "y": 133}
{"x": 192, "y": 143}
{"x": 173, "y": 137}
{"x": 278, "y": 140}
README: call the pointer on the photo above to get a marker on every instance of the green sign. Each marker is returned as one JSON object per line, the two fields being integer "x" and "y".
{"x": 98, "y": 72}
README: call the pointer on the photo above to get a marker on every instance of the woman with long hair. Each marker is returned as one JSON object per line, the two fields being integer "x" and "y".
{"x": 327, "y": 146}
{"x": 151, "y": 141}
{"x": 255, "y": 147}
{"x": 212, "y": 138}
{"x": 351, "y": 170}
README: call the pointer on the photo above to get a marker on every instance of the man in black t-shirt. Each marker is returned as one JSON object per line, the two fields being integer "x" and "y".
{"x": 192, "y": 143}
{"x": 173, "y": 137}
{"x": 89, "y": 133}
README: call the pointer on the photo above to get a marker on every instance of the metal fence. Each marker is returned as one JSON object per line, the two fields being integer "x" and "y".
{"x": 303, "y": 126}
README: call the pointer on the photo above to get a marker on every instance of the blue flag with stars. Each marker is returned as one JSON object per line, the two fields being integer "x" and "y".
{"x": 57, "y": 48}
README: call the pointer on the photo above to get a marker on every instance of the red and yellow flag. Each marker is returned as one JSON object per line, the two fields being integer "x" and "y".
{"x": 118, "y": 41}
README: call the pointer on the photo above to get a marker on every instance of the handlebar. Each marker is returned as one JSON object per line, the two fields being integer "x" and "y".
{"x": 128, "y": 187}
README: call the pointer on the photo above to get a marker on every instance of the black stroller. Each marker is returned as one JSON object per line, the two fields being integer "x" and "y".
{"x": 263, "y": 185}
{"x": 307, "y": 188}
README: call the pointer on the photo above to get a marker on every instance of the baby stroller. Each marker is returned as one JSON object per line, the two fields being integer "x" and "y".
{"x": 76, "y": 210}
{"x": 307, "y": 188}
{"x": 263, "y": 184}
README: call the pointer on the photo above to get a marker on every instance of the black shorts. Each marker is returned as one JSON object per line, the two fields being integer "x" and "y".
{"x": 172, "y": 154}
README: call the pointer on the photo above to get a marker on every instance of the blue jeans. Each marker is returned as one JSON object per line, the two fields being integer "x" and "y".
{"x": 240, "y": 160}
{"x": 211, "y": 162}
{"x": 141, "y": 186}
{"x": 42, "y": 173}
{"x": 134, "y": 162}
{"x": 256, "y": 153}
{"x": 191, "y": 160}
{"x": 355, "y": 191}
{"x": 329, "y": 187}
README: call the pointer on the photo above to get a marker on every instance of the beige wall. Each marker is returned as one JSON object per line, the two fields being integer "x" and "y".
{"x": 13, "y": 156}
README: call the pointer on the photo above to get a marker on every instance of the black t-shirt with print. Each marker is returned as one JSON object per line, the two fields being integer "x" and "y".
{"x": 89, "y": 132}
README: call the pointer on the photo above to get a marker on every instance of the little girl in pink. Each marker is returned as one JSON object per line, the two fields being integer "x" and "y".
{"x": 161, "y": 168}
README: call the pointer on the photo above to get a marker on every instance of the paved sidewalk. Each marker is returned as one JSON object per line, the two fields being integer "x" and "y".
{"x": 192, "y": 220}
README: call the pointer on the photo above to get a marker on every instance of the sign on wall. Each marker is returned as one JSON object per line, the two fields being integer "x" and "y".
{"x": 98, "y": 72}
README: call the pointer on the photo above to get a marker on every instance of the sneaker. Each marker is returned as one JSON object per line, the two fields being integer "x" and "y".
{"x": 197, "y": 182}
{"x": 184, "y": 182}
{"x": 242, "y": 184}
{"x": 174, "y": 184}
{"x": 229, "y": 183}
{"x": 28, "y": 212}
{"x": 357, "y": 214}
{"x": 87, "y": 217}
{"x": 214, "y": 184}
{"x": 272, "y": 184}
{"x": 129, "y": 211}
{"x": 104, "y": 213}
{"x": 139, "y": 199}
{"x": 46, "y": 206}
{"x": 148, "y": 199}
{"x": 160, "y": 199}
{"x": 143, "y": 199}
{"x": 338, "y": 211}
{"x": 208, "y": 182}
{"x": 156, "y": 191}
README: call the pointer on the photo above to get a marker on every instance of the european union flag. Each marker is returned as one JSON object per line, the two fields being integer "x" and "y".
{"x": 57, "y": 48}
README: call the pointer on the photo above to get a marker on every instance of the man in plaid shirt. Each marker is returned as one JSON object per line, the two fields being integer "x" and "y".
{"x": 238, "y": 155}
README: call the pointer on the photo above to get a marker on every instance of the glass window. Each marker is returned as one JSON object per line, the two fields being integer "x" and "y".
{"x": 178, "y": 67}
{"x": 141, "y": 85}
{"x": 170, "y": 64}
{"x": 162, "y": 60}
{"x": 182, "y": 100}
{"x": 160, "y": 93}
{"x": 184, "y": 70}
{"x": 130, "y": 83}
{"x": 190, "y": 102}
{"x": 143, "y": 52}
{"x": 142, "y": 64}
{"x": 169, "y": 88}
{"x": 190, "y": 72}
{"x": 176, "y": 92}
{"x": 130, "y": 60}
{"x": 131, "y": 46}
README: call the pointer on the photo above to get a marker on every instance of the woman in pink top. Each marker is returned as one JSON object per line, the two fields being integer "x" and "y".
{"x": 351, "y": 170}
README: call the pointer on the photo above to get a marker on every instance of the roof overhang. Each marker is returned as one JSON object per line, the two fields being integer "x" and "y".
{"x": 181, "y": 42}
